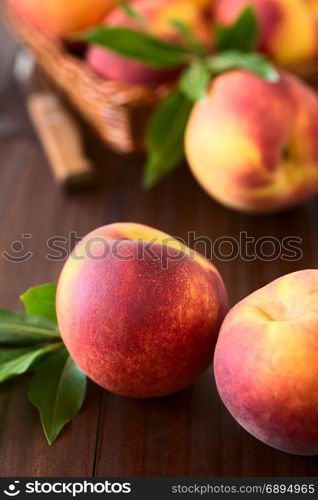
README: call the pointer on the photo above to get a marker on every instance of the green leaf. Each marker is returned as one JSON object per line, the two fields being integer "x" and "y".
{"x": 40, "y": 301}
{"x": 22, "y": 329}
{"x": 165, "y": 137}
{"x": 58, "y": 390}
{"x": 9, "y": 354}
{"x": 133, "y": 13}
{"x": 194, "y": 81}
{"x": 191, "y": 41}
{"x": 243, "y": 35}
{"x": 136, "y": 45}
{"x": 18, "y": 361}
{"x": 253, "y": 62}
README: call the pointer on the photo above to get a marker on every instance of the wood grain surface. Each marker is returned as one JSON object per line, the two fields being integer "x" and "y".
{"x": 189, "y": 434}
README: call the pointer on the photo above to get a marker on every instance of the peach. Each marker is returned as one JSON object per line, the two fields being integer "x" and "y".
{"x": 62, "y": 17}
{"x": 159, "y": 14}
{"x": 289, "y": 29}
{"x": 138, "y": 311}
{"x": 252, "y": 144}
{"x": 266, "y": 366}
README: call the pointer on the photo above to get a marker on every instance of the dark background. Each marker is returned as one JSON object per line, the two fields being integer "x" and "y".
{"x": 189, "y": 434}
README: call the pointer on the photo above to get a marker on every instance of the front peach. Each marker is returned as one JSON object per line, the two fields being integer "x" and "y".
{"x": 139, "y": 313}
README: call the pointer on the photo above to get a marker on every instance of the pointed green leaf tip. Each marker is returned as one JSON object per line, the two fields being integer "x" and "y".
{"x": 40, "y": 301}
{"x": 57, "y": 390}
{"x": 133, "y": 13}
{"x": 242, "y": 35}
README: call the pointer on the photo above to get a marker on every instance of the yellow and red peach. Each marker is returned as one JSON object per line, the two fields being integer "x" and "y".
{"x": 289, "y": 28}
{"x": 62, "y": 17}
{"x": 159, "y": 14}
{"x": 138, "y": 311}
{"x": 252, "y": 144}
{"x": 266, "y": 363}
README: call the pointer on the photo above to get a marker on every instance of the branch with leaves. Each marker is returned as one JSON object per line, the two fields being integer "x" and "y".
{"x": 30, "y": 343}
{"x": 235, "y": 49}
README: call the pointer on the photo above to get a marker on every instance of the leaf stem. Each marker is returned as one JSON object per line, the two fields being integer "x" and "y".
{"x": 29, "y": 328}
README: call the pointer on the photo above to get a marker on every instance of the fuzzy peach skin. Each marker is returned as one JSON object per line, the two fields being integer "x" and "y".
{"x": 252, "y": 144}
{"x": 289, "y": 28}
{"x": 140, "y": 324}
{"x": 266, "y": 366}
{"x": 159, "y": 14}
{"x": 62, "y": 17}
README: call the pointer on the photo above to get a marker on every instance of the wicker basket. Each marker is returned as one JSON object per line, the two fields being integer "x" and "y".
{"x": 117, "y": 111}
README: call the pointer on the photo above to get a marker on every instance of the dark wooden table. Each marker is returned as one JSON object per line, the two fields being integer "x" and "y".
{"x": 189, "y": 434}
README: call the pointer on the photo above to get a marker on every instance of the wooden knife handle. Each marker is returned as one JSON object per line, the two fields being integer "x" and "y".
{"x": 60, "y": 138}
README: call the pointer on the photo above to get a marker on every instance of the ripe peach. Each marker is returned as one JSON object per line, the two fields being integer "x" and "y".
{"x": 159, "y": 14}
{"x": 266, "y": 366}
{"x": 289, "y": 29}
{"x": 62, "y": 17}
{"x": 252, "y": 143}
{"x": 138, "y": 311}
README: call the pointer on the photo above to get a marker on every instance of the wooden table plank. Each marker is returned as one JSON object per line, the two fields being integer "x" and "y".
{"x": 189, "y": 434}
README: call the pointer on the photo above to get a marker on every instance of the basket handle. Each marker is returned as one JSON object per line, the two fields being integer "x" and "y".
{"x": 60, "y": 138}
